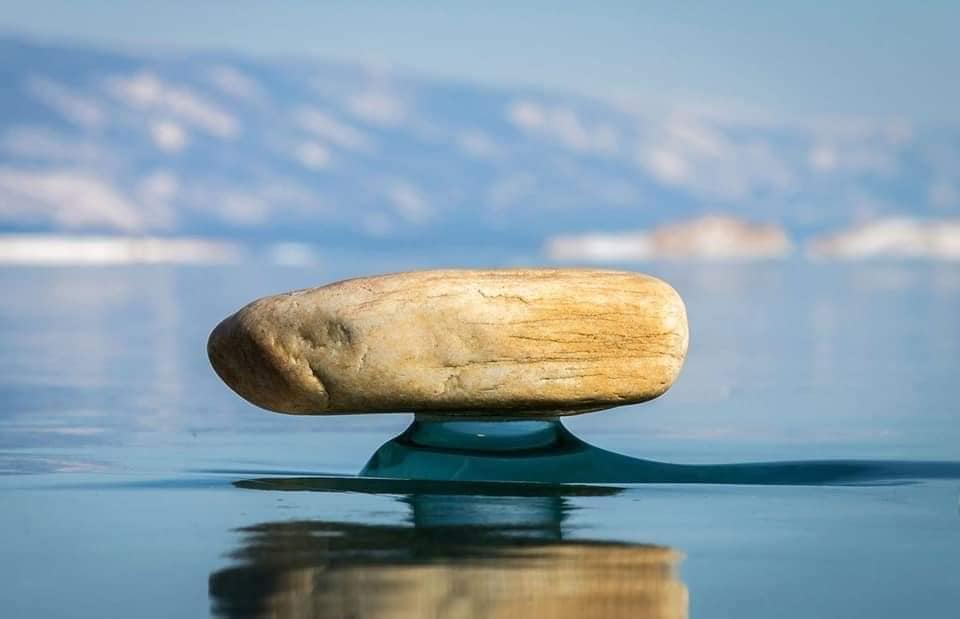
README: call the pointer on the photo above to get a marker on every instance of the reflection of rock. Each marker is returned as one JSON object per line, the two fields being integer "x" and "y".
{"x": 711, "y": 237}
{"x": 894, "y": 237}
{"x": 321, "y": 569}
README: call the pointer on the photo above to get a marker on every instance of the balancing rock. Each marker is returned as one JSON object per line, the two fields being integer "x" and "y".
{"x": 511, "y": 343}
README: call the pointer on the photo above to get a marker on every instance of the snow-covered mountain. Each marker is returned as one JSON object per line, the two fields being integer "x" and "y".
{"x": 201, "y": 144}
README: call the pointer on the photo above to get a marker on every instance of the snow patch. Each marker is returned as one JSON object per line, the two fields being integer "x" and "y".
{"x": 45, "y": 144}
{"x": 69, "y": 198}
{"x": 168, "y": 136}
{"x": 478, "y": 144}
{"x": 823, "y": 158}
{"x": 408, "y": 201}
{"x": 332, "y": 130}
{"x": 313, "y": 156}
{"x": 145, "y": 90}
{"x": 378, "y": 107}
{"x": 77, "y": 109}
{"x": 235, "y": 83}
{"x": 857, "y": 145}
{"x": 563, "y": 125}
{"x": 702, "y": 159}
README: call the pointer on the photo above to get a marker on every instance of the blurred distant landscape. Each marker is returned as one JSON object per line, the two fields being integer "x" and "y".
{"x": 196, "y": 156}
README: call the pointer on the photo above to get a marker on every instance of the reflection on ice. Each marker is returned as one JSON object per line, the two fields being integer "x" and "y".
{"x": 463, "y": 556}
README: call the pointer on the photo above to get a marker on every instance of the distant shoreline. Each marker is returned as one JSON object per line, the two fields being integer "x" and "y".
{"x": 703, "y": 240}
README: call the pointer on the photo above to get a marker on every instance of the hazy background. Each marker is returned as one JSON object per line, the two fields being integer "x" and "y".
{"x": 792, "y": 168}
{"x": 830, "y": 130}
{"x": 780, "y": 59}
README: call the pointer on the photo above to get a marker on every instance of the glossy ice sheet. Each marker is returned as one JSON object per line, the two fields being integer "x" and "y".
{"x": 109, "y": 545}
{"x": 135, "y": 484}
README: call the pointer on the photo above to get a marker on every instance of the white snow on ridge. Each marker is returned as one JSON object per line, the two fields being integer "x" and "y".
{"x": 563, "y": 125}
{"x": 327, "y": 128}
{"x": 36, "y": 142}
{"x": 168, "y": 136}
{"x": 892, "y": 238}
{"x": 147, "y": 91}
{"x": 692, "y": 153}
{"x": 702, "y": 159}
{"x": 857, "y": 145}
{"x": 408, "y": 201}
{"x": 234, "y": 82}
{"x": 69, "y": 198}
{"x": 378, "y": 107}
{"x": 75, "y": 108}
{"x": 478, "y": 144}
{"x": 705, "y": 238}
{"x": 312, "y": 155}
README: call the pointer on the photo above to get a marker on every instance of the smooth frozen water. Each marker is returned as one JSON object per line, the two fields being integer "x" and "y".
{"x": 134, "y": 483}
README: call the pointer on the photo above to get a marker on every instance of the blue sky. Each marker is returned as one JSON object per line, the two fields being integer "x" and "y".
{"x": 801, "y": 59}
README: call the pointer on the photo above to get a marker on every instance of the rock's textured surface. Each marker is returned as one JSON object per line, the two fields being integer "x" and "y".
{"x": 503, "y": 343}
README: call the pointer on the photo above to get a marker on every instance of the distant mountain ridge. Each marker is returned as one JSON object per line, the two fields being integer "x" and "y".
{"x": 184, "y": 144}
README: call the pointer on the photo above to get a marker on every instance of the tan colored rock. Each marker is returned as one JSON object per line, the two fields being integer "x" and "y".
{"x": 502, "y": 343}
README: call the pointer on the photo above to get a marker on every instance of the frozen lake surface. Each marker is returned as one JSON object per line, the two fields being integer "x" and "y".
{"x": 134, "y": 483}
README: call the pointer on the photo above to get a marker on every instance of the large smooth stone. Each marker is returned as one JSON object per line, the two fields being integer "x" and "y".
{"x": 491, "y": 343}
